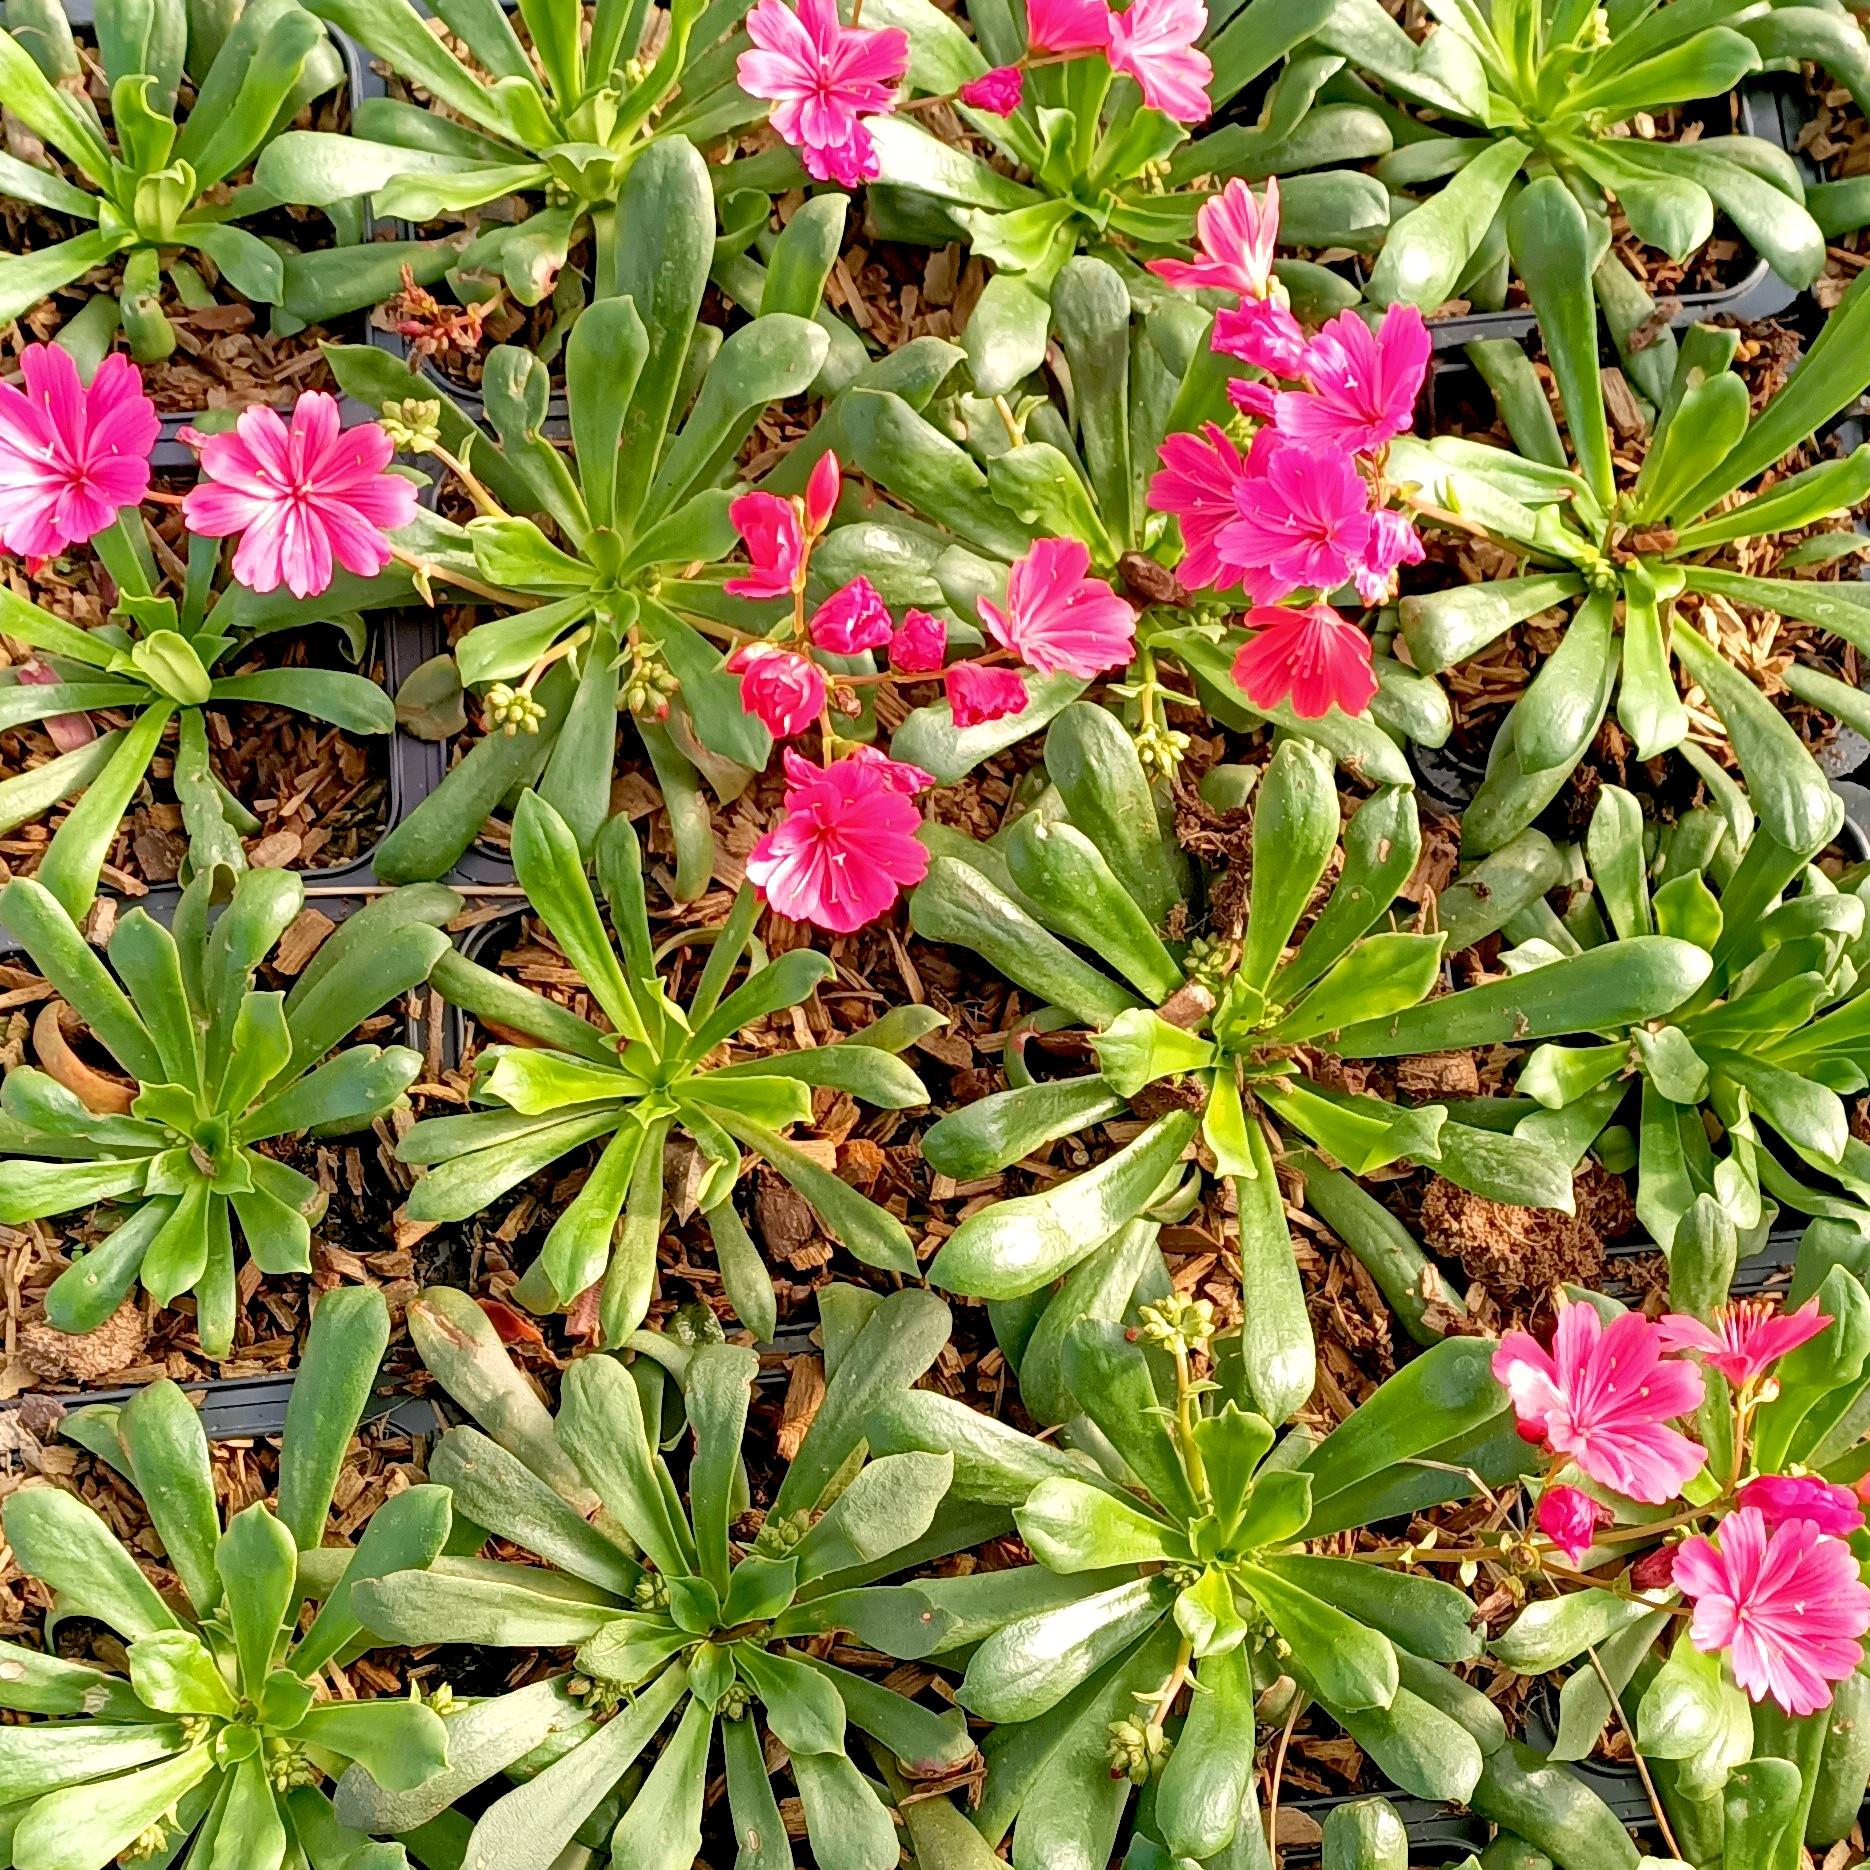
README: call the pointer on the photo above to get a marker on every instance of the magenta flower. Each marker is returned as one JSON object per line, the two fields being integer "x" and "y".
{"x": 822, "y": 487}
{"x": 977, "y": 693}
{"x": 71, "y": 457}
{"x": 1363, "y": 383}
{"x": 823, "y": 78}
{"x": 1067, "y": 25}
{"x": 846, "y": 846}
{"x": 1195, "y": 485}
{"x": 1787, "y": 1606}
{"x": 1263, "y": 333}
{"x": 898, "y": 775}
{"x": 1153, "y": 41}
{"x": 769, "y": 528}
{"x": 782, "y": 690}
{"x": 1310, "y": 657}
{"x": 1393, "y": 543}
{"x": 1235, "y": 234}
{"x": 1570, "y": 1519}
{"x": 1301, "y": 521}
{"x": 1780, "y": 1497}
{"x": 919, "y": 645}
{"x": 852, "y": 620}
{"x": 1058, "y": 619}
{"x": 304, "y": 499}
{"x": 1747, "y": 1338}
{"x": 1604, "y": 1396}
{"x": 997, "y": 92}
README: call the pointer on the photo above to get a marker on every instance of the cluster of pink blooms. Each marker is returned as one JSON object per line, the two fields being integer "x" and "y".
{"x": 824, "y": 80}
{"x": 827, "y": 81}
{"x": 303, "y": 498}
{"x": 847, "y": 842}
{"x": 1775, "y": 1587}
{"x": 1302, "y": 510}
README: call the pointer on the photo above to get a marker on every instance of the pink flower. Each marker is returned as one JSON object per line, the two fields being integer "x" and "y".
{"x": 1570, "y": 1519}
{"x": 304, "y": 499}
{"x": 1059, "y": 619}
{"x": 1195, "y": 484}
{"x": 1067, "y": 25}
{"x": 1263, "y": 333}
{"x": 1787, "y": 1606}
{"x": 71, "y": 457}
{"x": 822, "y": 78}
{"x": 847, "y": 844}
{"x": 997, "y": 92}
{"x": 1780, "y": 1497}
{"x": 852, "y": 620}
{"x": 1604, "y": 1396}
{"x": 67, "y": 732}
{"x": 1153, "y": 41}
{"x": 769, "y": 528}
{"x": 977, "y": 693}
{"x": 1363, "y": 383}
{"x": 919, "y": 644}
{"x": 1301, "y": 522}
{"x": 1236, "y": 235}
{"x": 1311, "y": 657}
{"x": 1393, "y": 543}
{"x": 782, "y": 690}
{"x": 1747, "y": 1337}
{"x": 898, "y": 775}
{"x": 821, "y": 492}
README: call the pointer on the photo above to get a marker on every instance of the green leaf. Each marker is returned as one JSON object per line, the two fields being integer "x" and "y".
{"x": 1072, "y": 1527}
{"x": 58, "y": 1539}
{"x": 167, "y": 1451}
{"x": 1016, "y": 1246}
{"x": 90, "y": 1825}
{"x": 349, "y": 1332}
{"x": 1428, "y": 249}
{"x": 1025, "y": 1669}
{"x": 661, "y": 1829}
{"x": 1557, "y": 250}
{"x": 259, "y": 1569}
{"x": 1632, "y": 980}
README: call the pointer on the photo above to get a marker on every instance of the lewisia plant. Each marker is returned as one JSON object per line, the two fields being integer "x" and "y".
{"x": 1303, "y": 511}
{"x": 686, "y": 1615}
{"x": 539, "y": 106}
{"x": 305, "y": 500}
{"x": 1227, "y": 1041}
{"x": 604, "y": 567}
{"x": 1738, "y": 1089}
{"x": 1632, "y": 566}
{"x": 208, "y": 1729}
{"x": 1178, "y": 1595}
{"x": 847, "y": 843}
{"x": 165, "y": 200}
{"x": 1699, "y": 1533}
{"x": 1095, "y": 109}
{"x": 210, "y": 1069}
{"x": 651, "y": 1072}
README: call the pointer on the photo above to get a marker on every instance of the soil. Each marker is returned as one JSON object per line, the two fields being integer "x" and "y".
{"x": 1525, "y": 1252}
